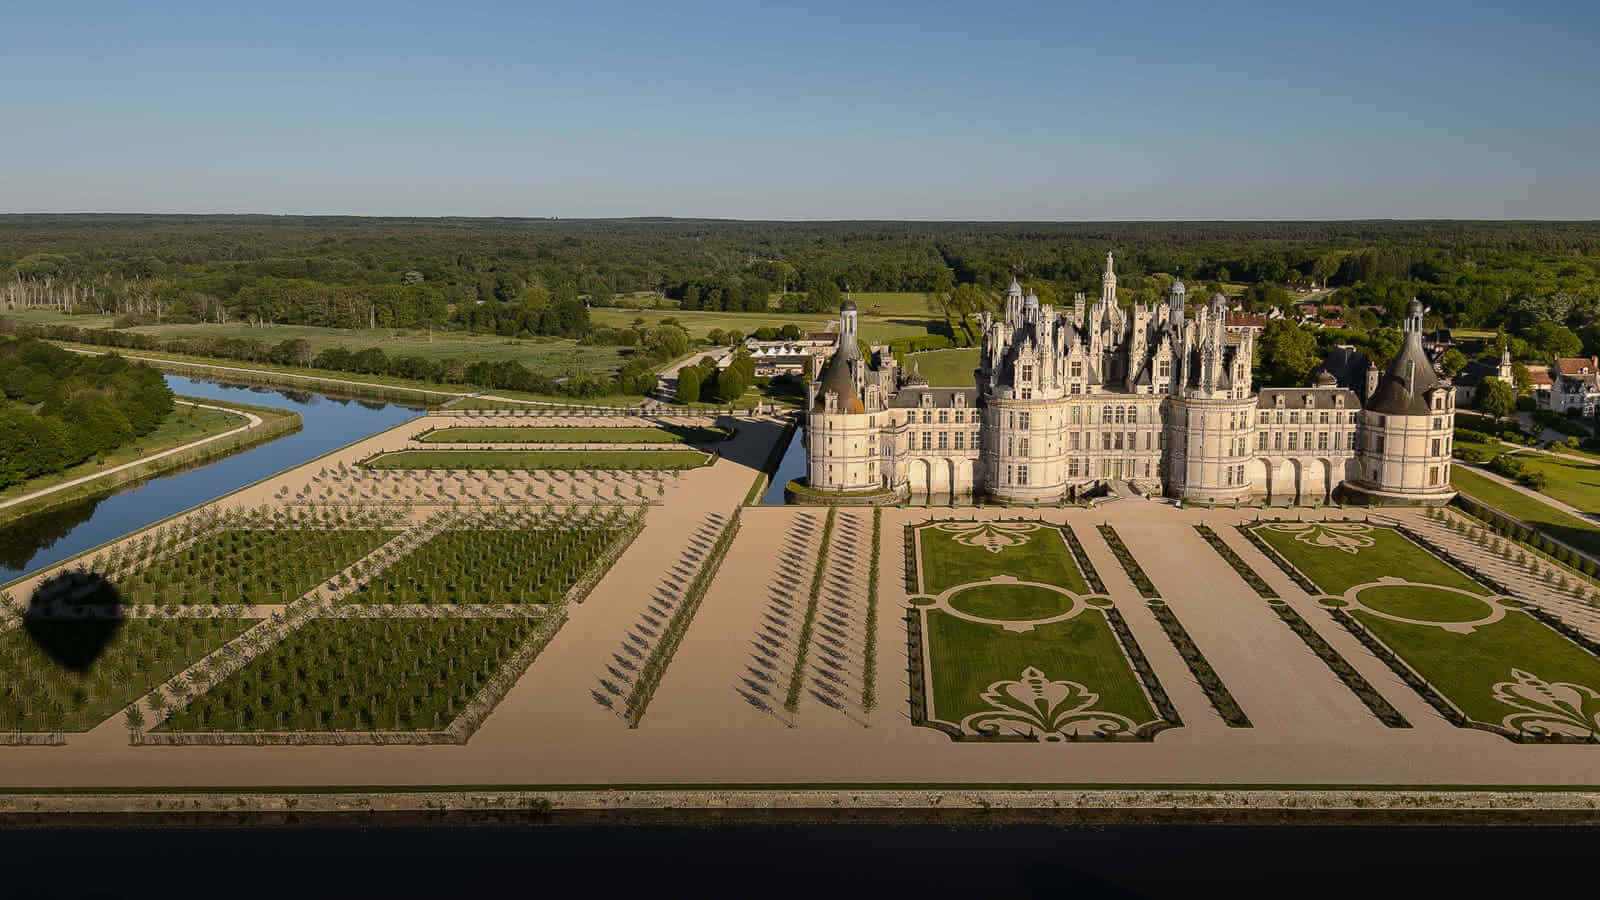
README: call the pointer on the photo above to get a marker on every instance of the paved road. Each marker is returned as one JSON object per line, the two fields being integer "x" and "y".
{"x": 254, "y": 420}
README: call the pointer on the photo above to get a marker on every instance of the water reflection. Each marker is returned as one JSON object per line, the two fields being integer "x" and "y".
{"x": 329, "y": 422}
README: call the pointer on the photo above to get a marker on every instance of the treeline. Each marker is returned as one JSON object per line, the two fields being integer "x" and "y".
{"x": 637, "y": 376}
{"x": 62, "y": 408}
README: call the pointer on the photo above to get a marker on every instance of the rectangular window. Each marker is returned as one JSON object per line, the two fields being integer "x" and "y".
{"x": 1435, "y": 447}
{"x": 961, "y": 436}
{"x": 927, "y": 417}
{"x": 1022, "y": 447}
{"x": 1233, "y": 420}
{"x": 1132, "y": 444}
{"x": 927, "y": 440}
{"x": 1074, "y": 440}
{"x": 1322, "y": 417}
{"x": 1077, "y": 415}
{"x": 1024, "y": 420}
{"x": 1433, "y": 475}
{"x": 1077, "y": 369}
{"x": 1378, "y": 444}
{"x": 1261, "y": 440}
{"x": 1307, "y": 441}
{"x": 1292, "y": 438}
{"x": 1277, "y": 440}
{"x": 1105, "y": 440}
{"x": 1027, "y": 374}
{"x": 944, "y": 417}
{"x": 1264, "y": 418}
{"x": 1165, "y": 368}
{"x": 1077, "y": 388}
{"x": 1438, "y": 423}
{"x": 944, "y": 440}
{"x": 1294, "y": 417}
{"x": 1280, "y": 417}
{"x": 1352, "y": 418}
{"x": 1118, "y": 440}
{"x": 977, "y": 440}
{"x": 1022, "y": 474}
{"x": 1027, "y": 393}
{"x": 1072, "y": 467}
{"x": 1322, "y": 440}
{"x": 961, "y": 416}
{"x": 1147, "y": 440}
{"x": 1351, "y": 444}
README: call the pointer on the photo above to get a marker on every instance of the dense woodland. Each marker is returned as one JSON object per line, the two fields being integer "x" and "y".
{"x": 1538, "y": 280}
{"x": 60, "y": 408}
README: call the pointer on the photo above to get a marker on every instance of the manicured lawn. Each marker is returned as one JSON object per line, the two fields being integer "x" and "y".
{"x": 1574, "y": 483}
{"x": 1559, "y": 525}
{"x": 1390, "y": 553}
{"x": 945, "y": 368}
{"x": 538, "y": 459}
{"x": 1017, "y": 602}
{"x": 1466, "y": 667}
{"x": 1044, "y": 558}
{"x": 967, "y": 657}
{"x": 699, "y": 323}
{"x": 39, "y": 694}
{"x": 523, "y": 434}
{"x": 185, "y": 424}
{"x": 1410, "y": 601}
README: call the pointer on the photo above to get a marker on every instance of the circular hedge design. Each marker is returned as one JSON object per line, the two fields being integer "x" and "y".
{"x": 1424, "y": 603}
{"x": 1011, "y": 602}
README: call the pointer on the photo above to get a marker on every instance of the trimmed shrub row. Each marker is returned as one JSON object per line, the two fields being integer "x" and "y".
{"x": 1517, "y": 530}
{"x": 1147, "y": 588}
{"x": 1363, "y": 689}
{"x": 1210, "y": 682}
{"x": 655, "y": 667}
{"x": 1091, "y": 575}
{"x": 1147, "y": 674}
{"x": 869, "y": 674}
{"x": 1256, "y": 582}
{"x": 797, "y": 678}
{"x": 1304, "y": 583}
{"x": 911, "y": 559}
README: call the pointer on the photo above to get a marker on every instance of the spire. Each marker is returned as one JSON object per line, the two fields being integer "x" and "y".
{"x": 1111, "y": 274}
{"x": 1108, "y": 283}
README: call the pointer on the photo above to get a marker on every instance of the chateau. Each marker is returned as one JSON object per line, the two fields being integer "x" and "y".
{"x": 1068, "y": 401}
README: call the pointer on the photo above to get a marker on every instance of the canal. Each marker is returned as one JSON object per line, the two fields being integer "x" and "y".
{"x": 329, "y": 422}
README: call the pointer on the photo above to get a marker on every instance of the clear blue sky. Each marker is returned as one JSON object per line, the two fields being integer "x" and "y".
{"x": 804, "y": 109}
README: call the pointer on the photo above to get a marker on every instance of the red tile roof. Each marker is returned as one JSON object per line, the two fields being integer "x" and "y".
{"x": 1577, "y": 365}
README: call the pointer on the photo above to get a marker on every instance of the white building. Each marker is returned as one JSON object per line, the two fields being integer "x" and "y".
{"x": 1064, "y": 401}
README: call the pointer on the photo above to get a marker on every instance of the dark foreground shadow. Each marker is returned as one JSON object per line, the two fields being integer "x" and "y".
{"x": 73, "y": 616}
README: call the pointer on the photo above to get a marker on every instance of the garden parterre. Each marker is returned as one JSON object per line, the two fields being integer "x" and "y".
{"x": 1496, "y": 665}
{"x": 1013, "y": 646}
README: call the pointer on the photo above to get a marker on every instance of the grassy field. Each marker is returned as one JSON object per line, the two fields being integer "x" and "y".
{"x": 1409, "y": 601}
{"x": 1044, "y": 559}
{"x": 555, "y": 434}
{"x": 1574, "y": 483}
{"x": 1559, "y": 525}
{"x": 184, "y": 425}
{"x": 945, "y": 368}
{"x": 699, "y": 323}
{"x": 1389, "y": 553}
{"x": 549, "y": 356}
{"x": 539, "y": 459}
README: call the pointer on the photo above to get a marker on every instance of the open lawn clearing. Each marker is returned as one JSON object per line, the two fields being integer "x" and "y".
{"x": 1557, "y": 524}
{"x": 952, "y": 557}
{"x": 544, "y": 355}
{"x": 1340, "y": 555}
{"x": 580, "y": 434}
{"x": 184, "y": 425}
{"x": 945, "y": 368}
{"x": 700, "y": 323}
{"x": 41, "y": 692}
{"x": 360, "y": 675}
{"x": 1574, "y": 483}
{"x": 621, "y": 460}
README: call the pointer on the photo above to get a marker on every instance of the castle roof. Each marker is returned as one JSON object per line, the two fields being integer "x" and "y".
{"x": 1403, "y": 389}
{"x": 911, "y": 397}
{"x": 837, "y": 378}
{"x": 1320, "y": 397}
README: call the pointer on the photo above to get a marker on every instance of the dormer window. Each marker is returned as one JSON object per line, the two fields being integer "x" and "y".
{"x": 1027, "y": 374}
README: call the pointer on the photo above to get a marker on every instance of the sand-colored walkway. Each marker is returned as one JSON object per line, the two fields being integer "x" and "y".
{"x": 709, "y": 723}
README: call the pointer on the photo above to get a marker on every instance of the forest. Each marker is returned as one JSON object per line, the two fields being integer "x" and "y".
{"x": 522, "y": 277}
{"x": 61, "y": 408}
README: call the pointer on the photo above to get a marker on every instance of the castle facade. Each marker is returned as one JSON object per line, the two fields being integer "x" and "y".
{"x": 1066, "y": 401}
